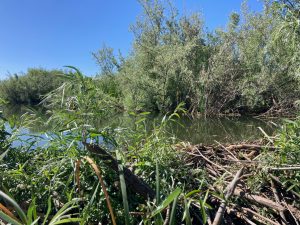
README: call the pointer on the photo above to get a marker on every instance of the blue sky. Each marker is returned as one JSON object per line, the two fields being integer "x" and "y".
{"x": 54, "y": 33}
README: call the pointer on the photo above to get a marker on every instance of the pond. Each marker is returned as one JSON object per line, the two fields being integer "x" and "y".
{"x": 209, "y": 130}
{"x": 199, "y": 130}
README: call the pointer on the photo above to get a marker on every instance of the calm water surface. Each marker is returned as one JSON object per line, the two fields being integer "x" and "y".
{"x": 199, "y": 130}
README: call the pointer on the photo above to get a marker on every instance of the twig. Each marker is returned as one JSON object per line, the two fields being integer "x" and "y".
{"x": 216, "y": 165}
{"x": 292, "y": 213}
{"x": 259, "y": 199}
{"x": 258, "y": 215}
{"x": 279, "y": 182}
{"x": 281, "y": 213}
{"x": 230, "y": 191}
{"x": 286, "y": 168}
{"x": 228, "y": 151}
{"x": 166, "y": 222}
{"x": 249, "y": 146}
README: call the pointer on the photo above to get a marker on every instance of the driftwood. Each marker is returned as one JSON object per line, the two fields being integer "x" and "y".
{"x": 133, "y": 182}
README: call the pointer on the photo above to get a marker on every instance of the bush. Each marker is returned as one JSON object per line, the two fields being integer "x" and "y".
{"x": 30, "y": 87}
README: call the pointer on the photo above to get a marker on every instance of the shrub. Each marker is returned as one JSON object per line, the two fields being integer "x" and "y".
{"x": 30, "y": 87}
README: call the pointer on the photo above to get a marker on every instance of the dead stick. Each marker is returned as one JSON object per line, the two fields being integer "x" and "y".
{"x": 292, "y": 213}
{"x": 240, "y": 215}
{"x": 279, "y": 182}
{"x": 259, "y": 200}
{"x": 230, "y": 189}
{"x": 249, "y": 146}
{"x": 227, "y": 151}
{"x": 134, "y": 183}
{"x": 285, "y": 168}
{"x": 218, "y": 166}
{"x": 246, "y": 210}
{"x": 275, "y": 193}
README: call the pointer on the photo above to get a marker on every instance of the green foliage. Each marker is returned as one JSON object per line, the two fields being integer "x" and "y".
{"x": 174, "y": 67}
{"x": 30, "y": 218}
{"x": 81, "y": 100}
{"x": 30, "y": 87}
{"x": 250, "y": 67}
{"x": 168, "y": 55}
{"x": 289, "y": 142}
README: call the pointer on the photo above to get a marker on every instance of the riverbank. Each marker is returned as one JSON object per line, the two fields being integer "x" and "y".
{"x": 144, "y": 176}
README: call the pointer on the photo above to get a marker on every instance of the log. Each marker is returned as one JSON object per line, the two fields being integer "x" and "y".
{"x": 133, "y": 182}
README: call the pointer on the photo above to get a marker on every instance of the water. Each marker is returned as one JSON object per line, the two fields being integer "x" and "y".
{"x": 209, "y": 130}
{"x": 199, "y": 130}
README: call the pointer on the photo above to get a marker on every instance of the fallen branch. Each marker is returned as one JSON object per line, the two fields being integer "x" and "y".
{"x": 259, "y": 200}
{"x": 230, "y": 190}
{"x": 249, "y": 146}
{"x": 265, "y": 219}
{"x": 133, "y": 182}
{"x": 276, "y": 195}
{"x": 279, "y": 182}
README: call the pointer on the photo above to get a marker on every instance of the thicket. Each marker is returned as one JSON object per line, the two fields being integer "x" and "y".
{"x": 30, "y": 88}
{"x": 250, "y": 67}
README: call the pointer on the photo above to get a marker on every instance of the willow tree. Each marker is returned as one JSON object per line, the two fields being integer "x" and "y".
{"x": 168, "y": 56}
{"x": 254, "y": 67}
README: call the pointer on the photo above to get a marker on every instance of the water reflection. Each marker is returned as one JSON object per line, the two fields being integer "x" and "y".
{"x": 204, "y": 130}
{"x": 200, "y": 130}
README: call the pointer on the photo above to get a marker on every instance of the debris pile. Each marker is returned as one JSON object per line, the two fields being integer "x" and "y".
{"x": 253, "y": 189}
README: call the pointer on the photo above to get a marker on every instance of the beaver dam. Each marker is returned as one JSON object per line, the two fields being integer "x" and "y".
{"x": 251, "y": 188}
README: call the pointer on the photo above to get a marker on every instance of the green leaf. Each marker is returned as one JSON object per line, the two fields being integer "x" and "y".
{"x": 144, "y": 113}
{"x": 192, "y": 193}
{"x": 3, "y": 155}
{"x": 48, "y": 210}
{"x": 69, "y": 220}
{"x": 8, "y": 219}
{"x": 173, "y": 212}
{"x": 123, "y": 189}
{"x": 167, "y": 201}
{"x": 15, "y": 205}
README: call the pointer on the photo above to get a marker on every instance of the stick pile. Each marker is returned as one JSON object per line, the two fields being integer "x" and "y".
{"x": 253, "y": 191}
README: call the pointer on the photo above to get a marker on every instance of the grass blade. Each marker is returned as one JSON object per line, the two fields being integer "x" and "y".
{"x": 8, "y": 219}
{"x": 15, "y": 205}
{"x": 97, "y": 171}
{"x": 173, "y": 212}
{"x": 48, "y": 210}
{"x": 157, "y": 185}
{"x": 3, "y": 155}
{"x": 166, "y": 202}
{"x": 123, "y": 189}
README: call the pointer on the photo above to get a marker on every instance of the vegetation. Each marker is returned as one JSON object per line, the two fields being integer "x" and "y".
{"x": 251, "y": 67}
{"x": 53, "y": 172}
{"x": 30, "y": 87}
{"x": 79, "y": 173}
